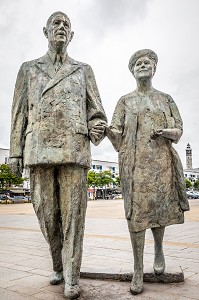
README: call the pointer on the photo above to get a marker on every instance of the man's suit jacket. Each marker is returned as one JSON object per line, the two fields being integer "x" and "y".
{"x": 53, "y": 112}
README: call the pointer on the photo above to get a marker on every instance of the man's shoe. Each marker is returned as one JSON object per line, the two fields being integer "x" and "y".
{"x": 57, "y": 278}
{"x": 71, "y": 291}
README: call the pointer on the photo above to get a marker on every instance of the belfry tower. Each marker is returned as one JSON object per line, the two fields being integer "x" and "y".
{"x": 188, "y": 157}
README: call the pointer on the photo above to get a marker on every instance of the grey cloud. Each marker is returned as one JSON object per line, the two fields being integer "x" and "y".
{"x": 105, "y": 15}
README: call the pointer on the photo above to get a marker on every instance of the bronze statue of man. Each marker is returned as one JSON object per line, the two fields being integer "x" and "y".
{"x": 144, "y": 125}
{"x": 56, "y": 112}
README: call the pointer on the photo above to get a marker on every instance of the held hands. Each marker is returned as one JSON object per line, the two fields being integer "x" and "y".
{"x": 97, "y": 131}
{"x": 16, "y": 165}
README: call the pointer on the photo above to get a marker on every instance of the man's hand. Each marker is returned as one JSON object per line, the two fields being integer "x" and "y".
{"x": 16, "y": 165}
{"x": 97, "y": 131}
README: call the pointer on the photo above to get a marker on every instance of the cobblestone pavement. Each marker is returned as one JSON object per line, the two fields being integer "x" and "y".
{"x": 25, "y": 263}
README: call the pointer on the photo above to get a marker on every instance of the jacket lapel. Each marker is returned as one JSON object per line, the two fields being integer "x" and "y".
{"x": 67, "y": 68}
{"x": 45, "y": 64}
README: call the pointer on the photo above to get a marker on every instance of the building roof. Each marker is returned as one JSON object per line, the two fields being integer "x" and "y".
{"x": 195, "y": 170}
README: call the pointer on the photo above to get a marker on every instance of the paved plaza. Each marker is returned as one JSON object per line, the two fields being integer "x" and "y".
{"x": 25, "y": 263}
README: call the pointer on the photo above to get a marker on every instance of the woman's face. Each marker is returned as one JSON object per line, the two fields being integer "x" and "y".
{"x": 144, "y": 68}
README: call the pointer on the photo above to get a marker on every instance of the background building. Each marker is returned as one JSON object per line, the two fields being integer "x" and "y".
{"x": 188, "y": 157}
{"x": 4, "y": 159}
{"x": 102, "y": 165}
{"x": 190, "y": 173}
{"x": 4, "y": 156}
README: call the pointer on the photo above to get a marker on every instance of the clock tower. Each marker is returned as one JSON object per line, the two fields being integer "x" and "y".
{"x": 188, "y": 157}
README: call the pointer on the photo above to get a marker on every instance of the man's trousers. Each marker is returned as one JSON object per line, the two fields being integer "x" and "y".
{"x": 59, "y": 197}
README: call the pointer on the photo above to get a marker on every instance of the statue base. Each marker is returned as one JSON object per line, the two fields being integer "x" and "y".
{"x": 170, "y": 275}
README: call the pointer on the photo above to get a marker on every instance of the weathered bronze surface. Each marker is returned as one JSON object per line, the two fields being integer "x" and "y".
{"x": 56, "y": 112}
{"x": 144, "y": 125}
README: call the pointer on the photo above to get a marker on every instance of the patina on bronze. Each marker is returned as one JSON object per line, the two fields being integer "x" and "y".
{"x": 144, "y": 125}
{"x": 56, "y": 111}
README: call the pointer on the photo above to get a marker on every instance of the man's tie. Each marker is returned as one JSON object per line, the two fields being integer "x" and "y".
{"x": 58, "y": 62}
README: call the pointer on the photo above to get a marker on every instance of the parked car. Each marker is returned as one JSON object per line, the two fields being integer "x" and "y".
{"x": 192, "y": 195}
{"x": 4, "y": 199}
{"x": 19, "y": 199}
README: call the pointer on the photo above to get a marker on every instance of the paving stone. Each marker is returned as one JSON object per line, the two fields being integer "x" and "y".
{"x": 24, "y": 289}
{"x": 107, "y": 248}
{"x": 9, "y": 295}
{"x": 36, "y": 281}
{"x": 7, "y": 275}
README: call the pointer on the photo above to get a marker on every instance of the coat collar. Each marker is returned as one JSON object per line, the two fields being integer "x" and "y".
{"x": 46, "y": 65}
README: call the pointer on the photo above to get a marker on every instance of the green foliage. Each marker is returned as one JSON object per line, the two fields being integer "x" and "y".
{"x": 101, "y": 179}
{"x": 196, "y": 184}
{"x": 91, "y": 180}
{"x": 7, "y": 178}
{"x": 104, "y": 178}
{"x": 117, "y": 181}
{"x": 188, "y": 183}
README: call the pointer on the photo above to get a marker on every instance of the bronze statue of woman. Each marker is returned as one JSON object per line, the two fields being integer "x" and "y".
{"x": 144, "y": 125}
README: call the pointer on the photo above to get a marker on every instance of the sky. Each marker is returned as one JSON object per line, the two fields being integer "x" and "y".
{"x": 107, "y": 33}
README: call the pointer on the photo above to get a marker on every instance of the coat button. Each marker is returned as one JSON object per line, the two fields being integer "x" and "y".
{"x": 67, "y": 91}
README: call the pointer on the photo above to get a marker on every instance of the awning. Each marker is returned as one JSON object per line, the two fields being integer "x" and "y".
{"x": 17, "y": 191}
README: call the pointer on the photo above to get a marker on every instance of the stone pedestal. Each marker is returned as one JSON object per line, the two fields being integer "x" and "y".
{"x": 171, "y": 275}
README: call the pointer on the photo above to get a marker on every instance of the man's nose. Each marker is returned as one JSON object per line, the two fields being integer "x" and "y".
{"x": 61, "y": 25}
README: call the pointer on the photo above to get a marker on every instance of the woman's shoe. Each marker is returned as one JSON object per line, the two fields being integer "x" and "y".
{"x": 71, "y": 292}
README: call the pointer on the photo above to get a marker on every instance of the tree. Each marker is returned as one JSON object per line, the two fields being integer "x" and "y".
{"x": 92, "y": 181}
{"x": 117, "y": 181}
{"x": 104, "y": 179}
{"x": 7, "y": 178}
{"x": 101, "y": 179}
{"x": 196, "y": 184}
{"x": 188, "y": 183}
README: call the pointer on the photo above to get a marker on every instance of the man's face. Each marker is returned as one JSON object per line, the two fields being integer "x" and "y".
{"x": 59, "y": 30}
{"x": 144, "y": 68}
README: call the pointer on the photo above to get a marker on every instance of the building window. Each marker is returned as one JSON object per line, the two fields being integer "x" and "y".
{"x": 98, "y": 167}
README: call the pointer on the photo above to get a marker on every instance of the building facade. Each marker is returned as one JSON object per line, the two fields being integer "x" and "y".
{"x": 102, "y": 165}
{"x": 4, "y": 159}
{"x": 4, "y": 156}
{"x": 192, "y": 174}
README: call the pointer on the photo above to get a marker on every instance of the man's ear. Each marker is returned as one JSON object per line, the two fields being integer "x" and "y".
{"x": 45, "y": 32}
{"x": 71, "y": 36}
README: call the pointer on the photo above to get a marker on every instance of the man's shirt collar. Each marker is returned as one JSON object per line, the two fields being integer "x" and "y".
{"x": 54, "y": 56}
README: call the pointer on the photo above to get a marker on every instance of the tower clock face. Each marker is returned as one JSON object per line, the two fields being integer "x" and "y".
{"x": 189, "y": 152}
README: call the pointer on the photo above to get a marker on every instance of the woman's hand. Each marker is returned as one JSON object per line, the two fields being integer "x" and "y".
{"x": 156, "y": 133}
{"x": 172, "y": 134}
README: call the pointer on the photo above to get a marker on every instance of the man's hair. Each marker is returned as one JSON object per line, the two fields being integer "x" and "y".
{"x": 53, "y": 15}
